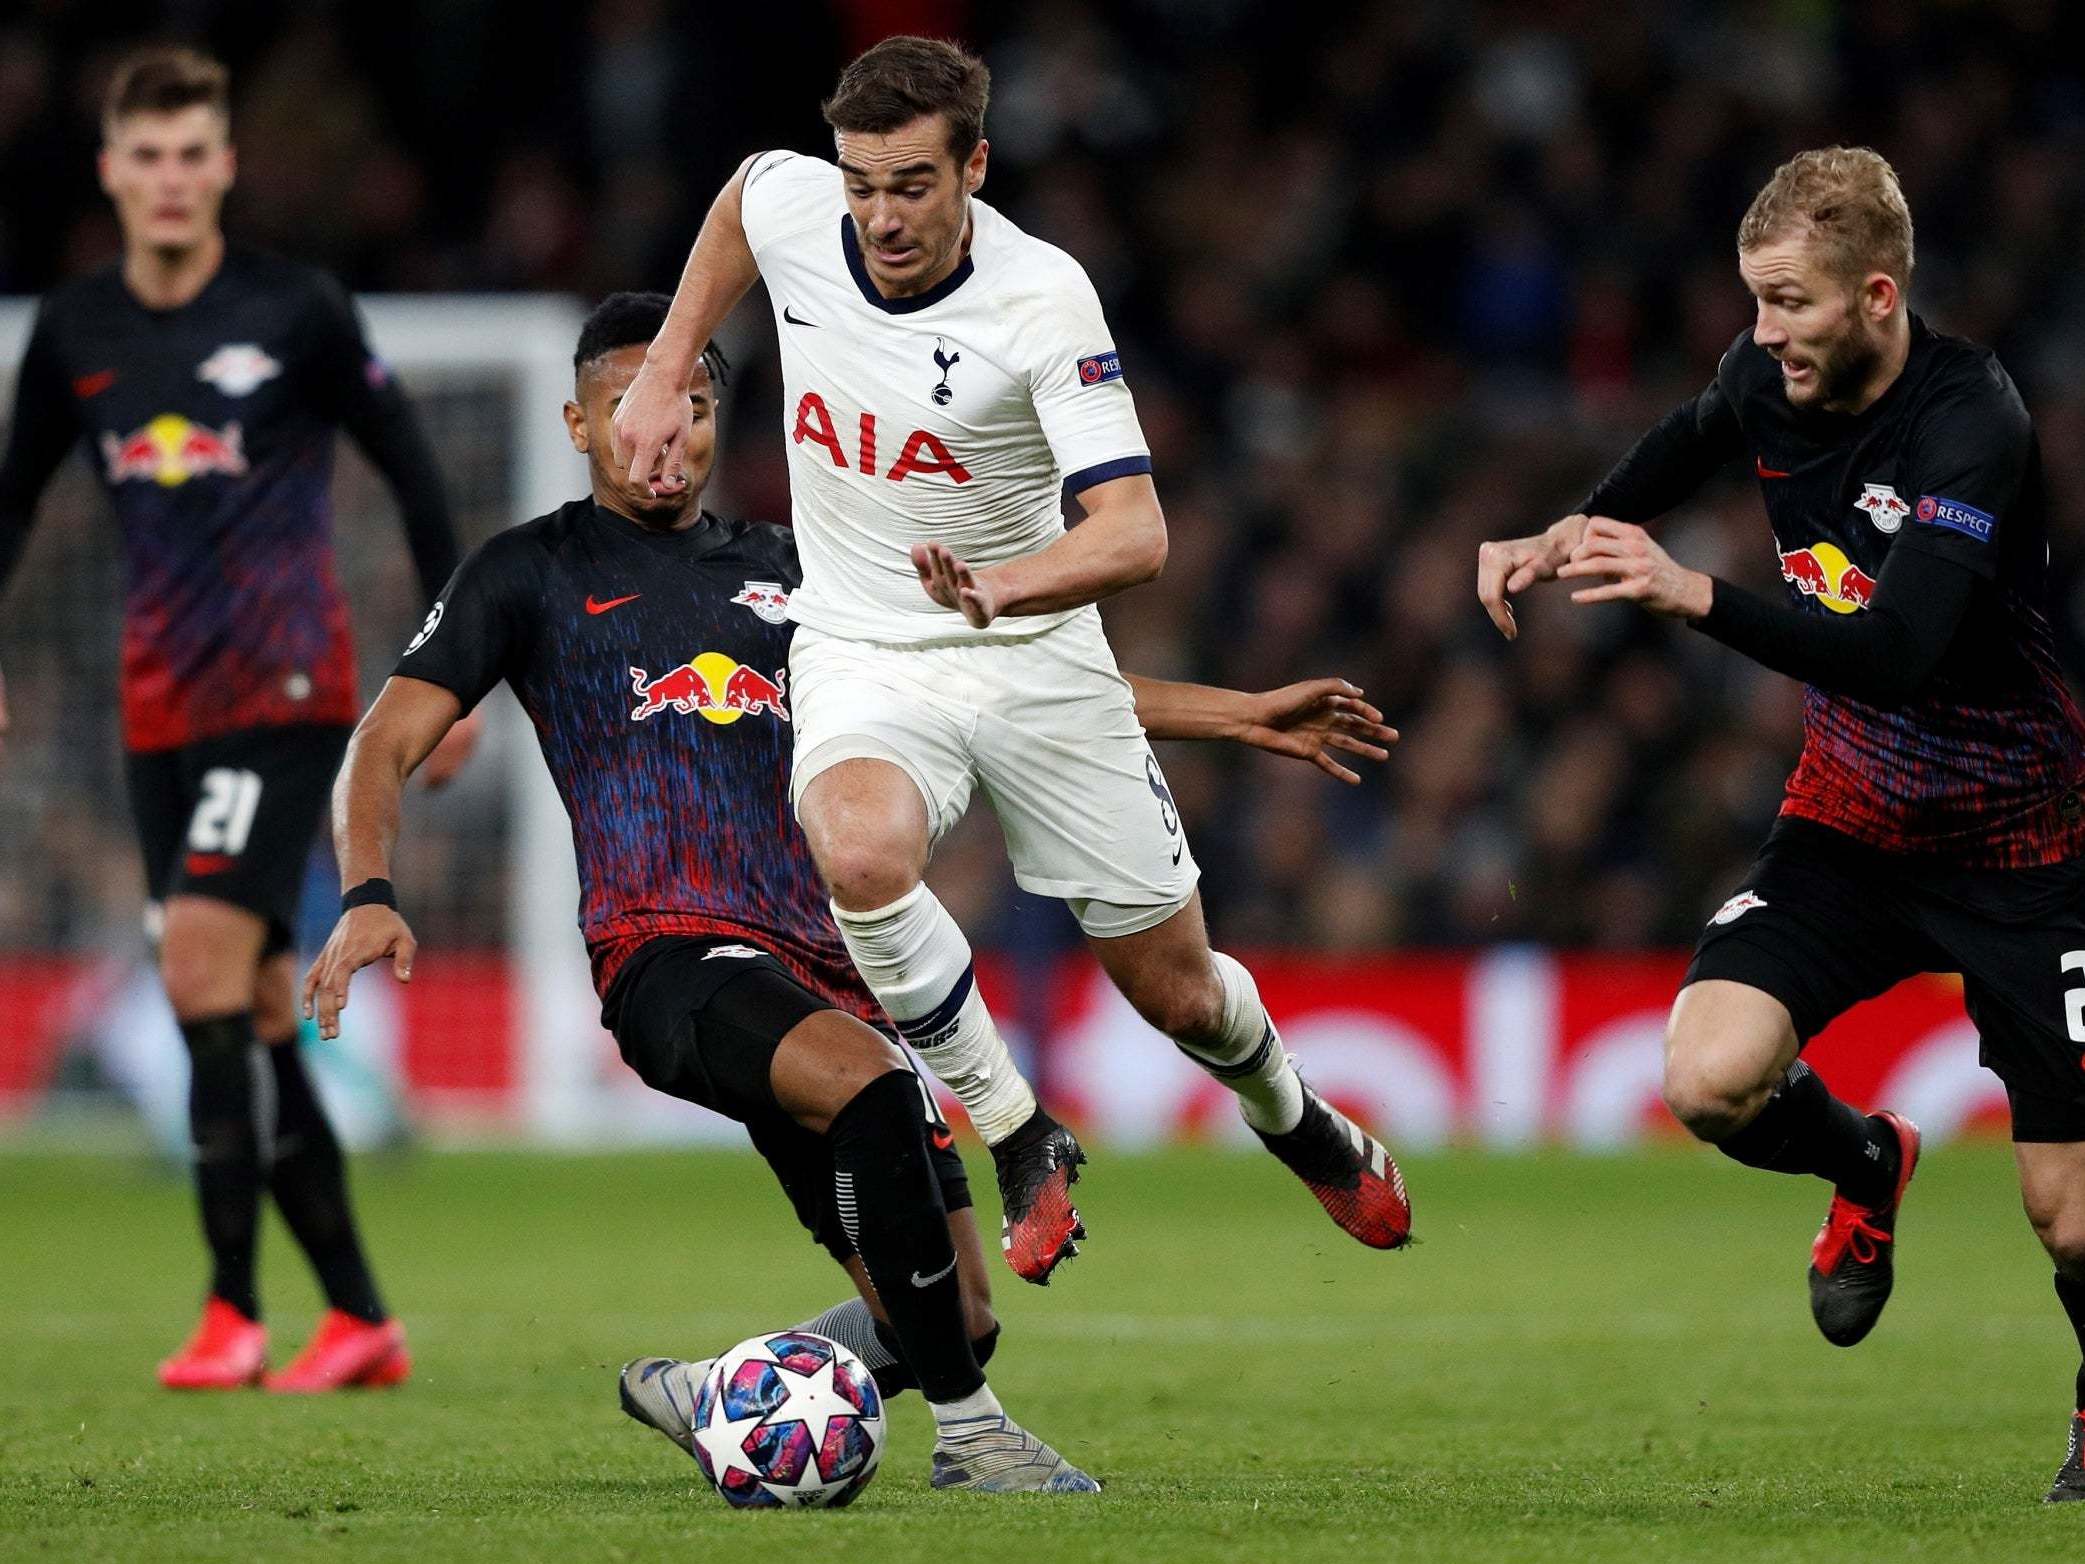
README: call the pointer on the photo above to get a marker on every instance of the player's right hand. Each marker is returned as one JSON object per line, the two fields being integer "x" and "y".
{"x": 651, "y": 430}
{"x": 1512, "y": 565}
{"x": 363, "y": 934}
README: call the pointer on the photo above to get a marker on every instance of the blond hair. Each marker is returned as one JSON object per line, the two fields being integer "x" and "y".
{"x": 1847, "y": 201}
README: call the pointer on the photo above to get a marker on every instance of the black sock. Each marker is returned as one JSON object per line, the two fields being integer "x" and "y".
{"x": 1805, "y": 1129}
{"x": 227, "y": 1152}
{"x": 896, "y": 1376}
{"x": 2071, "y": 1290}
{"x": 309, "y": 1181}
{"x": 891, "y": 1207}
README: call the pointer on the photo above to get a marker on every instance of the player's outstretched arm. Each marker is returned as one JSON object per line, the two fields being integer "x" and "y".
{"x": 651, "y": 423}
{"x": 1674, "y": 457}
{"x": 1883, "y": 656}
{"x": 1120, "y": 544}
{"x": 1317, "y": 720}
{"x": 398, "y": 732}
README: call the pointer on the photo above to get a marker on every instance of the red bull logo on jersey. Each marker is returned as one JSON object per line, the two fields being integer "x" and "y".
{"x": 1883, "y": 506}
{"x": 170, "y": 450}
{"x": 713, "y": 686}
{"x": 1824, "y": 572}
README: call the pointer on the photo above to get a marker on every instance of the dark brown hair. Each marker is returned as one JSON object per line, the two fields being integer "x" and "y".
{"x": 901, "y": 79}
{"x": 165, "y": 79}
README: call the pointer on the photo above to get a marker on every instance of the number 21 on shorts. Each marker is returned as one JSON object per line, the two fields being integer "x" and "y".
{"x": 223, "y": 816}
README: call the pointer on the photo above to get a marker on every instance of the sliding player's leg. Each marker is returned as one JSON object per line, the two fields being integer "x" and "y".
{"x": 862, "y": 1325}
{"x": 842, "y": 1118}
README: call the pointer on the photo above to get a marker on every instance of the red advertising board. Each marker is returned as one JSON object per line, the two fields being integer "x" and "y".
{"x": 1503, "y": 1047}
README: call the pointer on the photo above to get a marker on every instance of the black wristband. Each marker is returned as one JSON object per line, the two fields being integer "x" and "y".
{"x": 370, "y": 893}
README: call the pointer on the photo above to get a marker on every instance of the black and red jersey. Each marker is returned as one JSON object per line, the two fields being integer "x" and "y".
{"x": 211, "y": 427}
{"x": 654, "y": 666}
{"x": 1982, "y": 762}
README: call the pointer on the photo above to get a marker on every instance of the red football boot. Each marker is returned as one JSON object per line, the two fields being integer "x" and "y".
{"x": 227, "y": 1352}
{"x": 1352, "y": 1176}
{"x": 346, "y": 1351}
{"x": 1037, "y": 1165}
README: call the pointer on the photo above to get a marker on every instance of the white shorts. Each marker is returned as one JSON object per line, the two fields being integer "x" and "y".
{"x": 1044, "y": 724}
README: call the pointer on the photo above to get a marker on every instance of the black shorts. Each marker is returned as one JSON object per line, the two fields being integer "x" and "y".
{"x": 233, "y": 818}
{"x": 1824, "y": 922}
{"x": 700, "y": 1019}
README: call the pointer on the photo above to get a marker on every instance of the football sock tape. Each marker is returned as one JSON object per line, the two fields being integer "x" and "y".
{"x": 879, "y": 1151}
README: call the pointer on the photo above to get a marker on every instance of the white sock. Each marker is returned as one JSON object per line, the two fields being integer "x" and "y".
{"x": 979, "y": 1403}
{"x": 1247, "y": 1056}
{"x": 918, "y": 965}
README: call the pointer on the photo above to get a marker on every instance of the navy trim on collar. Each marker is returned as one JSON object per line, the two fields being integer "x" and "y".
{"x": 851, "y": 248}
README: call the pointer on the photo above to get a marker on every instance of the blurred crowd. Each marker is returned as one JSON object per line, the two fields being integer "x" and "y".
{"x": 1387, "y": 279}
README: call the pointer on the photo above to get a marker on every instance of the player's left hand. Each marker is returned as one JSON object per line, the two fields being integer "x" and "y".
{"x": 953, "y": 584}
{"x": 439, "y": 769}
{"x": 1638, "y": 571}
{"x": 1313, "y": 719}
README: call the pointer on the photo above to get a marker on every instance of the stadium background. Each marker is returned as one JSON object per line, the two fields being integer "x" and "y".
{"x": 1385, "y": 285}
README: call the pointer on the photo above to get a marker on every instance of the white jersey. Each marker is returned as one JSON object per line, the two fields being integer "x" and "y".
{"x": 958, "y": 416}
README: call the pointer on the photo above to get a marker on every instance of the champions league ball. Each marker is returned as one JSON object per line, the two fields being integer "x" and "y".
{"x": 792, "y": 1419}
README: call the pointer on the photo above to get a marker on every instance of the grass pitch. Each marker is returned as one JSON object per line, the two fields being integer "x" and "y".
{"x": 1583, "y": 1360}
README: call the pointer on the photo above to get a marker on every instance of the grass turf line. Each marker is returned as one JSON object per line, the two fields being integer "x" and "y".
{"x": 1586, "y": 1359}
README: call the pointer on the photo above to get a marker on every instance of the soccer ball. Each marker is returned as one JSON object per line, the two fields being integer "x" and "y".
{"x": 792, "y": 1419}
